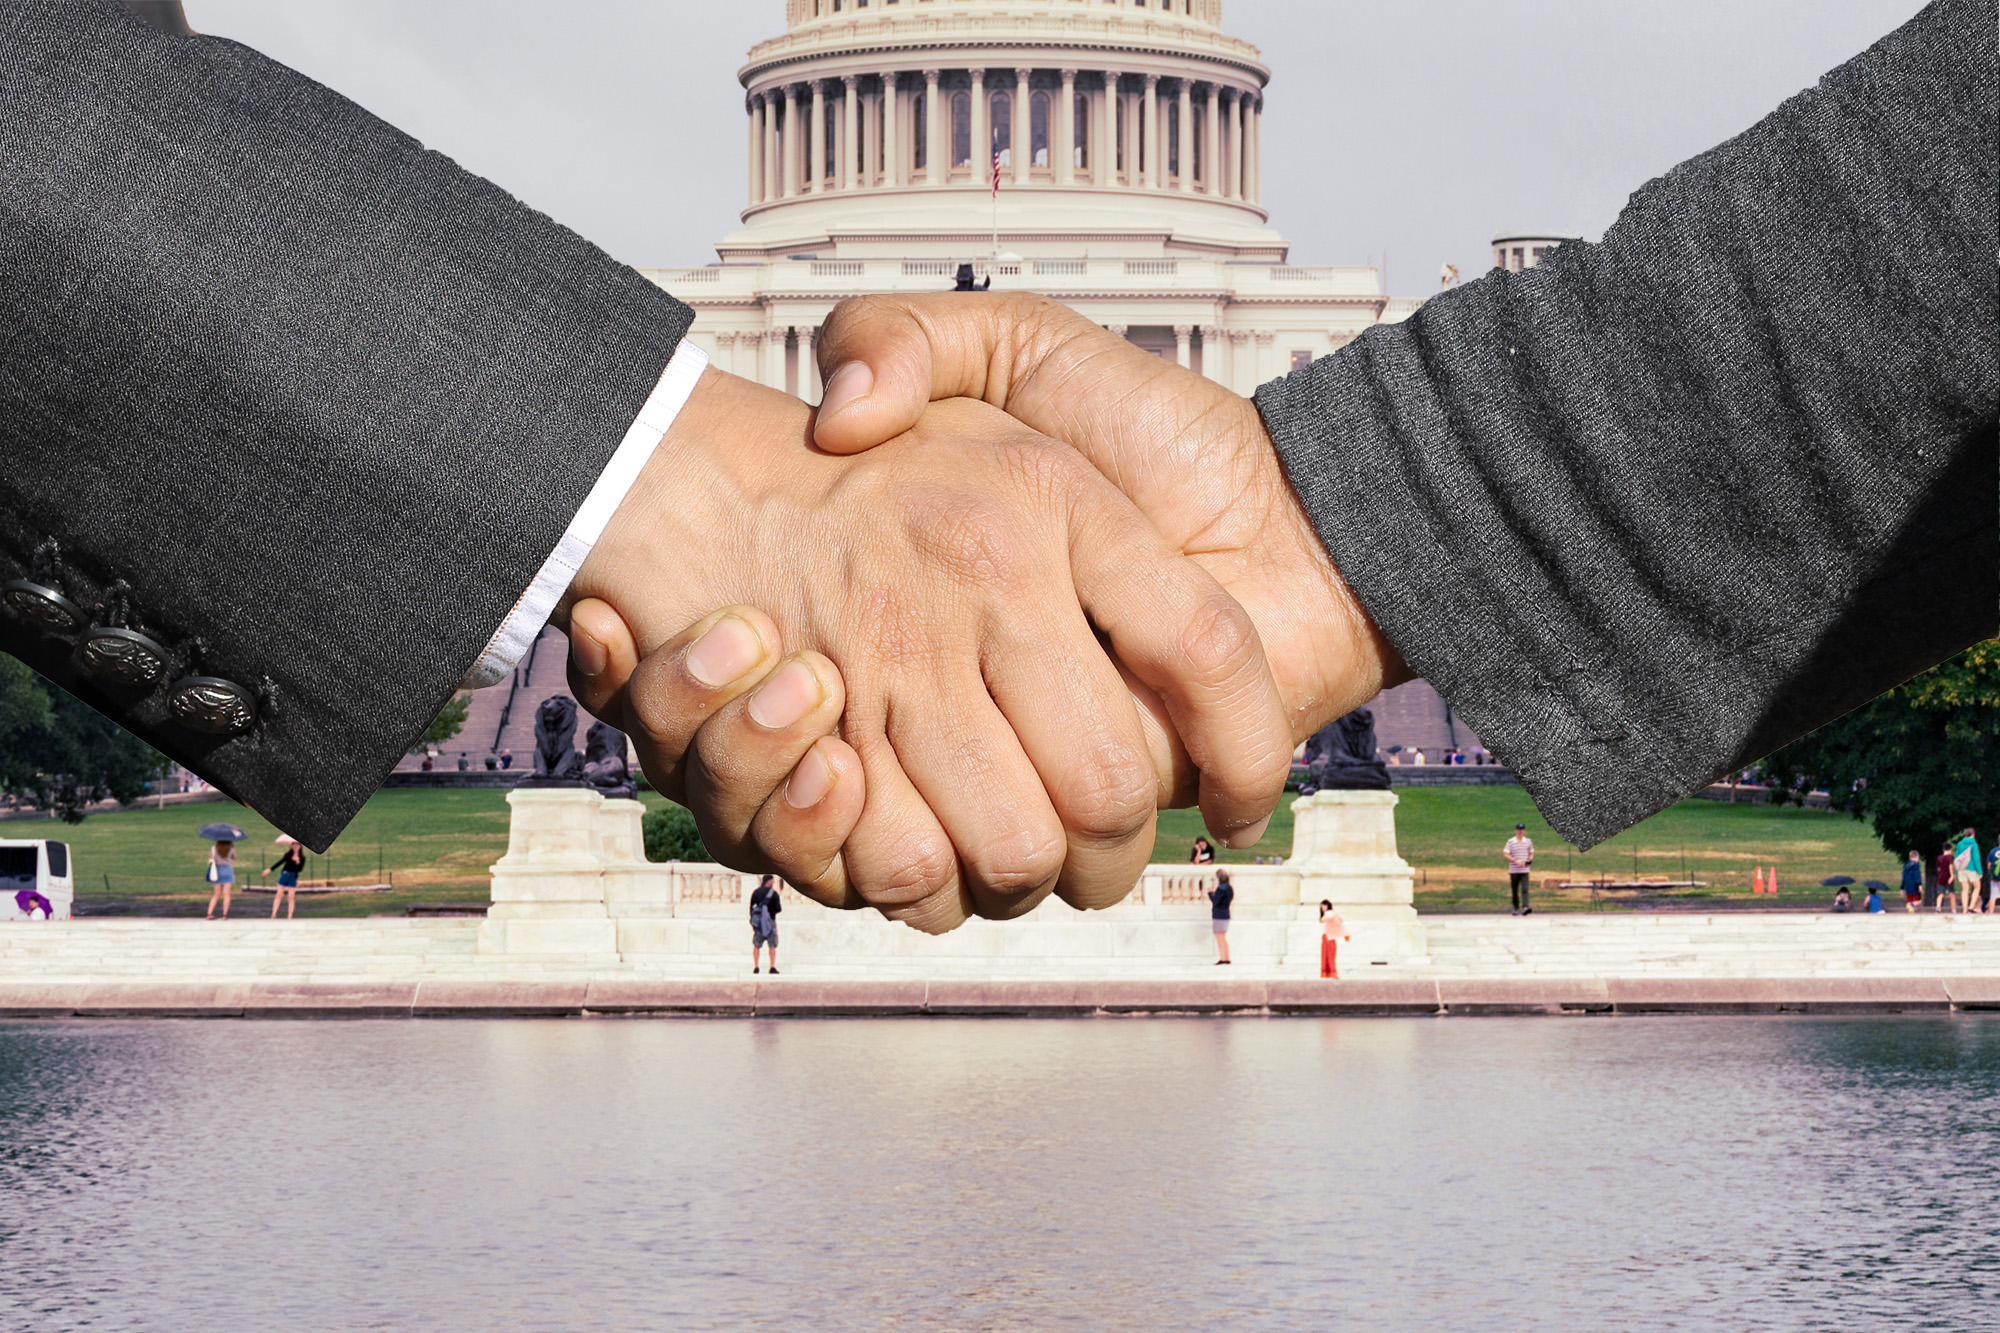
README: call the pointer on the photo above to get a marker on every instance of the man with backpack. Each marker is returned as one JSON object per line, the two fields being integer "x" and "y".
{"x": 764, "y": 909}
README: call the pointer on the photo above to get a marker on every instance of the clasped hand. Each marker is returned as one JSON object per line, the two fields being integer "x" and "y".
{"x": 960, "y": 668}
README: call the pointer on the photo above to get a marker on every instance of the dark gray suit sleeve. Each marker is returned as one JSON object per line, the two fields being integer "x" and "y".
{"x": 1663, "y": 503}
{"x": 300, "y": 401}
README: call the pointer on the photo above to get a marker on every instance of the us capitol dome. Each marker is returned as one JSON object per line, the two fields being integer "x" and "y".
{"x": 1125, "y": 137}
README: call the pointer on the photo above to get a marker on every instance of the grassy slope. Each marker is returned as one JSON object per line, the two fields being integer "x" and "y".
{"x": 438, "y": 844}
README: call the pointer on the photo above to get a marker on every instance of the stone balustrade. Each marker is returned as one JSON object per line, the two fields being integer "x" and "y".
{"x": 575, "y": 882}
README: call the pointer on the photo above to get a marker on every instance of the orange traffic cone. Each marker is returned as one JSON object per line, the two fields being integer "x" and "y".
{"x": 1757, "y": 879}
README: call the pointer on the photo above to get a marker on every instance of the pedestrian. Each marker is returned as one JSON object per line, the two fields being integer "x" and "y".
{"x": 1946, "y": 870}
{"x": 1219, "y": 899}
{"x": 1204, "y": 853}
{"x": 288, "y": 867}
{"x": 1874, "y": 903}
{"x": 1966, "y": 861}
{"x": 1993, "y": 877}
{"x": 506, "y": 759}
{"x": 222, "y": 874}
{"x": 1520, "y": 854}
{"x": 1842, "y": 899}
{"x": 1332, "y": 930}
{"x": 1913, "y": 882}
{"x": 464, "y": 763}
{"x": 764, "y": 909}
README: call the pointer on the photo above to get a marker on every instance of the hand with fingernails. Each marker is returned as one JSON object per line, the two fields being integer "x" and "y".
{"x": 973, "y": 675}
{"x": 1193, "y": 456}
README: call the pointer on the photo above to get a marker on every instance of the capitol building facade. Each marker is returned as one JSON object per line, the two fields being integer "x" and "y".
{"x": 1125, "y": 137}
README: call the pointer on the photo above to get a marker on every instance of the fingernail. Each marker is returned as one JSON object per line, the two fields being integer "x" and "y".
{"x": 786, "y": 697}
{"x": 850, "y": 383}
{"x": 810, "y": 781}
{"x": 1247, "y": 837}
{"x": 729, "y": 649}
{"x": 590, "y": 656}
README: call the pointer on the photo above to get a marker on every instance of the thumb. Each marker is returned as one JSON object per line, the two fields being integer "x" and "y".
{"x": 885, "y": 358}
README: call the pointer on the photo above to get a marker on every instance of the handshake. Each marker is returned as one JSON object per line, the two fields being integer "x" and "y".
{"x": 1015, "y": 586}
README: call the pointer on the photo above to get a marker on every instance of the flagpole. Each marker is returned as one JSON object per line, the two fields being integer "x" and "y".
{"x": 996, "y": 207}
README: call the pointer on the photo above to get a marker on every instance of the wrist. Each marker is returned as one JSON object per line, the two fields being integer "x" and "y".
{"x": 670, "y": 554}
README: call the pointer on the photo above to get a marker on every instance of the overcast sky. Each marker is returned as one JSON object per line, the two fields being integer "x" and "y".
{"x": 1412, "y": 127}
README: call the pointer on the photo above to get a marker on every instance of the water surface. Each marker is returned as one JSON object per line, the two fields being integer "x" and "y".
{"x": 1152, "y": 1174}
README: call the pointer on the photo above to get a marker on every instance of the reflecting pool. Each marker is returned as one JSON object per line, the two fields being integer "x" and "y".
{"x": 1145, "y": 1174}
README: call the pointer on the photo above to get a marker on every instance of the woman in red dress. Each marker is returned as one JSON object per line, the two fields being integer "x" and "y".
{"x": 1332, "y": 930}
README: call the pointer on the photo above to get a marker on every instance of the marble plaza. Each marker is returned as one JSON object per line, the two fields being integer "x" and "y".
{"x": 580, "y": 922}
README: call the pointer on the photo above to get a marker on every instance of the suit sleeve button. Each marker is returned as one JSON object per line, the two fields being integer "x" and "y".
{"x": 211, "y": 704}
{"x": 42, "y": 606}
{"x": 121, "y": 657}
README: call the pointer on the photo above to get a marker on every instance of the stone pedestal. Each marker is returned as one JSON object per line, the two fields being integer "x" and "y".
{"x": 549, "y": 889}
{"x": 638, "y": 894}
{"x": 1344, "y": 849}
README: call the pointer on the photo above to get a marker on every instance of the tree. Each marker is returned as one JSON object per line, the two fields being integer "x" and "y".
{"x": 672, "y": 836}
{"x": 448, "y": 723}
{"x": 1920, "y": 763}
{"x": 63, "y": 755}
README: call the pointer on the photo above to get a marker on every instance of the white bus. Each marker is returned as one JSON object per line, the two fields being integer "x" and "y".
{"x": 34, "y": 872}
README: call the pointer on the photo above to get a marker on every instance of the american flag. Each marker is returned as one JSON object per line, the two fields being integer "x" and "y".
{"x": 996, "y": 175}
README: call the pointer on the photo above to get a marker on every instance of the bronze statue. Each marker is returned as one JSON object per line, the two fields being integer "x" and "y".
{"x": 604, "y": 765}
{"x": 557, "y": 764}
{"x": 1341, "y": 757}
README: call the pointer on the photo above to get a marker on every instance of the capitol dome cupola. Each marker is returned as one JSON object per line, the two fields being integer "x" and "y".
{"x": 1093, "y": 116}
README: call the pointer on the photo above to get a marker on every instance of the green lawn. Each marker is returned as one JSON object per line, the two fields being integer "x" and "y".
{"x": 436, "y": 845}
{"x": 431, "y": 845}
{"x": 1452, "y": 835}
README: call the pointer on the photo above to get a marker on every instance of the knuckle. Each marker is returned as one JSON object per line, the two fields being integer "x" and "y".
{"x": 1218, "y": 640}
{"x": 1023, "y": 864}
{"x": 969, "y": 539}
{"x": 918, "y": 866}
{"x": 1113, "y": 800}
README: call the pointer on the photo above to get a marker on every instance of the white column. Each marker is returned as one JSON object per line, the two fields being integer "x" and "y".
{"x": 980, "y": 142}
{"x": 774, "y": 358}
{"x": 1104, "y": 143}
{"x": 1184, "y": 178}
{"x": 1149, "y": 131}
{"x": 1238, "y": 341}
{"x": 1135, "y": 172}
{"x": 1264, "y": 375}
{"x": 1253, "y": 187}
{"x": 1184, "y": 346}
{"x": 935, "y": 150}
{"x": 1233, "y": 183}
{"x": 1117, "y": 330}
{"x": 808, "y": 366}
{"x": 1214, "y": 360}
{"x": 773, "y": 172}
{"x": 816, "y": 147}
{"x": 871, "y": 140}
{"x": 850, "y": 138}
{"x": 892, "y": 152}
{"x": 1023, "y": 129}
{"x": 794, "y": 176}
{"x": 756, "y": 160}
{"x": 1211, "y": 144}
{"x": 1065, "y": 145}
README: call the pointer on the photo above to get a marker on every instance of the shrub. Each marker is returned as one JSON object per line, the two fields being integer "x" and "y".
{"x": 672, "y": 836}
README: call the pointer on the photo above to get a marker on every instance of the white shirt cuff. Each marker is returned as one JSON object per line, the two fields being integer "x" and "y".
{"x": 510, "y": 642}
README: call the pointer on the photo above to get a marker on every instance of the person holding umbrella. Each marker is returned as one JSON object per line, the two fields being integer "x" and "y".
{"x": 288, "y": 867}
{"x": 221, "y": 864}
